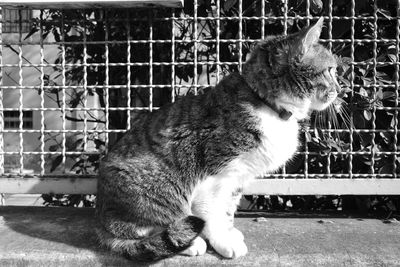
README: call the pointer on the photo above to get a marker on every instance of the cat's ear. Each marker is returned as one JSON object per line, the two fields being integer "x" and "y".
{"x": 308, "y": 37}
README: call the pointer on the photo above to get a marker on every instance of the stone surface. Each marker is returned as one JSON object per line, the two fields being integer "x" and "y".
{"x": 40, "y": 236}
{"x": 23, "y": 200}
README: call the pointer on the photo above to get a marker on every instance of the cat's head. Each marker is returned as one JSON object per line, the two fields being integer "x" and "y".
{"x": 295, "y": 72}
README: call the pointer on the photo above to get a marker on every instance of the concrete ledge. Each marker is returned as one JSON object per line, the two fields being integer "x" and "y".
{"x": 38, "y": 236}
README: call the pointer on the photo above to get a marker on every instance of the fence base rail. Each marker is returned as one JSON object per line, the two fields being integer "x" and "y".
{"x": 37, "y": 185}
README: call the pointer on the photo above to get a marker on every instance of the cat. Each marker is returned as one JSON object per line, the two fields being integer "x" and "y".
{"x": 174, "y": 180}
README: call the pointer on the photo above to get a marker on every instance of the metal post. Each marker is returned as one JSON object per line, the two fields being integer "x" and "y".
{"x": 2, "y": 197}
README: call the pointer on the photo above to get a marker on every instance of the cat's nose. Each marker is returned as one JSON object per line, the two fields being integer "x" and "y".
{"x": 332, "y": 94}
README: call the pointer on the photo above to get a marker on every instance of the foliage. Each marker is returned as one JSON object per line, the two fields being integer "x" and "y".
{"x": 360, "y": 108}
{"x": 69, "y": 200}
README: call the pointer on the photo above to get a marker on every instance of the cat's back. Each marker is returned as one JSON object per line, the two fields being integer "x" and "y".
{"x": 187, "y": 117}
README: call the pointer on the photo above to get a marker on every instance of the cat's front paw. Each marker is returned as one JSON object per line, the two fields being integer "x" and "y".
{"x": 197, "y": 248}
{"x": 230, "y": 244}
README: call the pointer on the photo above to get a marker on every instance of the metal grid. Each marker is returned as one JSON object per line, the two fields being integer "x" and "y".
{"x": 185, "y": 56}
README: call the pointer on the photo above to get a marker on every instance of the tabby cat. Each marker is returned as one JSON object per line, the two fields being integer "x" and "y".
{"x": 175, "y": 179}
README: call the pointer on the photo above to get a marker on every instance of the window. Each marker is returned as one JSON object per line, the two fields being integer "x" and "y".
{"x": 11, "y": 119}
{"x": 12, "y": 18}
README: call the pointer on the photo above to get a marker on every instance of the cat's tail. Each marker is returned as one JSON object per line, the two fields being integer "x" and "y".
{"x": 174, "y": 239}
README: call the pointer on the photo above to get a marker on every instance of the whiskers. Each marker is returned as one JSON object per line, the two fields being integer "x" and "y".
{"x": 341, "y": 108}
{"x": 335, "y": 117}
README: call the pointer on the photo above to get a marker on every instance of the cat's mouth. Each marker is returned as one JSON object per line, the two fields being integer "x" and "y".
{"x": 322, "y": 100}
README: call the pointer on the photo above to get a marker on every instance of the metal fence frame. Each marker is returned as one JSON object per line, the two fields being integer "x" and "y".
{"x": 283, "y": 184}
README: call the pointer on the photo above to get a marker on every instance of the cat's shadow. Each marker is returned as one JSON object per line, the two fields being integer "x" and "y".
{"x": 70, "y": 230}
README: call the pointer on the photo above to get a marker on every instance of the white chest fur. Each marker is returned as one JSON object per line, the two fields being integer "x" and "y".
{"x": 279, "y": 141}
{"x": 278, "y": 144}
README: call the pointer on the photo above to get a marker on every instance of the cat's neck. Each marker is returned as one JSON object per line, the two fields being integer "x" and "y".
{"x": 270, "y": 91}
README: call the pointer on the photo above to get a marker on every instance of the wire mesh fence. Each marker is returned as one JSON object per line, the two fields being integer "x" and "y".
{"x": 72, "y": 81}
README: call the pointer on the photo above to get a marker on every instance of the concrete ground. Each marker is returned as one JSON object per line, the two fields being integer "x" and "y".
{"x": 39, "y": 236}
{"x": 23, "y": 199}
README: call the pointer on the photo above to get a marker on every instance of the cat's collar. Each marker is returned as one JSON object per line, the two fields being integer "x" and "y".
{"x": 282, "y": 113}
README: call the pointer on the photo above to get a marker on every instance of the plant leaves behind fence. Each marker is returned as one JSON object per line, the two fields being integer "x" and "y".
{"x": 229, "y": 4}
{"x": 361, "y": 99}
{"x": 100, "y": 144}
{"x": 56, "y": 162}
{"x": 68, "y": 200}
{"x": 54, "y": 148}
{"x": 32, "y": 32}
{"x": 316, "y": 6}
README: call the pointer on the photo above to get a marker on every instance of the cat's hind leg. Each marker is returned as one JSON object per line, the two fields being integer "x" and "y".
{"x": 215, "y": 201}
{"x": 118, "y": 227}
